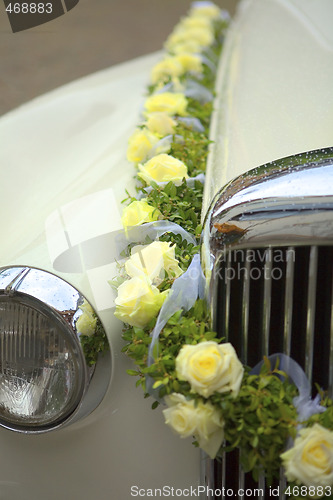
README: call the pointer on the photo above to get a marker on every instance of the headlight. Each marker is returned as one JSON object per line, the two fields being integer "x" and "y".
{"x": 44, "y": 377}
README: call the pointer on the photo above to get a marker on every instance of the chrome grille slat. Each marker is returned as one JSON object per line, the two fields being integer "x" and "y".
{"x": 261, "y": 486}
{"x": 227, "y": 299}
{"x": 223, "y": 470}
{"x": 330, "y": 376}
{"x": 311, "y": 310}
{"x": 267, "y": 301}
{"x": 245, "y": 339}
{"x": 288, "y": 301}
{"x": 282, "y": 485}
{"x": 246, "y": 307}
{"x": 241, "y": 484}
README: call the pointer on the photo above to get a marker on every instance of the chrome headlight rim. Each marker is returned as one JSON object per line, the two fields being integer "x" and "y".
{"x": 60, "y": 302}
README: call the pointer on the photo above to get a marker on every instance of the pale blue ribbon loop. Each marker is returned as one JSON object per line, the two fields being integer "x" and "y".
{"x": 190, "y": 88}
{"x": 183, "y": 294}
{"x": 164, "y": 144}
{"x": 304, "y": 404}
{"x": 151, "y": 230}
{"x": 198, "y": 92}
{"x": 191, "y": 123}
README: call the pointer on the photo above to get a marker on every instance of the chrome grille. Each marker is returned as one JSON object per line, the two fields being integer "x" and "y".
{"x": 268, "y": 300}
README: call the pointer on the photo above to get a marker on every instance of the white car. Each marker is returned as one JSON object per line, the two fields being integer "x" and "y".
{"x": 64, "y": 173}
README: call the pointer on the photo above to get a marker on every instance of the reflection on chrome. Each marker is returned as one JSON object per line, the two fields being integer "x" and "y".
{"x": 288, "y": 201}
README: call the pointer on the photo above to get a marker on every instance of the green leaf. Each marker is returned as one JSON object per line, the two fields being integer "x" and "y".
{"x": 132, "y": 372}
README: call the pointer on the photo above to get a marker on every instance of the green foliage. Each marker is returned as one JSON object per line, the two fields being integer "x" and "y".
{"x": 190, "y": 327}
{"x": 184, "y": 251}
{"x": 201, "y": 111}
{"x": 193, "y": 151}
{"x": 326, "y": 418}
{"x": 180, "y": 204}
{"x": 94, "y": 344}
{"x": 259, "y": 421}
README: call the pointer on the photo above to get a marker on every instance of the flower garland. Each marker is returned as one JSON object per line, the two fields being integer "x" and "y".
{"x": 208, "y": 393}
{"x": 91, "y": 333}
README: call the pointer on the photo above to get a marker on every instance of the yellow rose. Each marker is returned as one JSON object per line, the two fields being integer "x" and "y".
{"x": 202, "y": 36}
{"x": 190, "y": 62}
{"x": 185, "y": 46}
{"x": 169, "y": 67}
{"x": 161, "y": 124}
{"x": 138, "y": 302}
{"x": 154, "y": 261}
{"x": 202, "y": 421}
{"x": 140, "y": 144}
{"x": 210, "y": 367}
{"x": 86, "y": 323}
{"x": 196, "y": 22}
{"x": 310, "y": 460}
{"x": 206, "y": 11}
{"x": 139, "y": 212}
{"x": 163, "y": 168}
{"x": 167, "y": 102}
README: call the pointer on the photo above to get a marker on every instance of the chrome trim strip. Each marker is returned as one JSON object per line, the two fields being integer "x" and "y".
{"x": 311, "y": 311}
{"x": 16, "y": 281}
{"x": 289, "y": 200}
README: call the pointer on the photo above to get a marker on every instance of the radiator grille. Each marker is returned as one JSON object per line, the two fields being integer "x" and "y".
{"x": 269, "y": 300}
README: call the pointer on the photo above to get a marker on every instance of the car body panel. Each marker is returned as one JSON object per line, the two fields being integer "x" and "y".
{"x": 275, "y": 85}
{"x": 63, "y": 176}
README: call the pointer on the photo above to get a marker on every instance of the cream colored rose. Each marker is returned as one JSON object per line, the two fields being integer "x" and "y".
{"x": 138, "y": 302}
{"x": 139, "y": 212}
{"x": 210, "y": 367}
{"x": 180, "y": 415}
{"x": 155, "y": 261}
{"x": 163, "y": 168}
{"x": 167, "y": 102}
{"x": 168, "y": 67}
{"x": 202, "y": 421}
{"x": 140, "y": 144}
{"x": 310, "y": 460}
{"x": 161, "y": 124}
{"x": 86, "y": 323}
